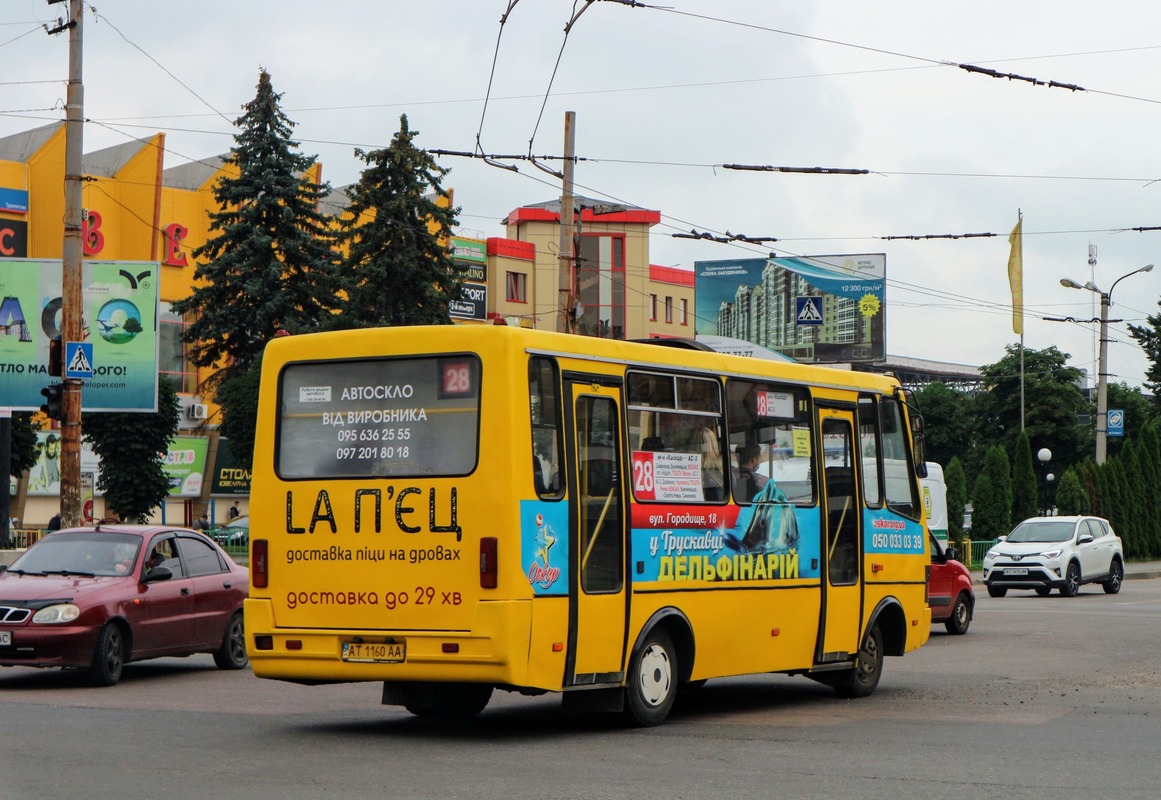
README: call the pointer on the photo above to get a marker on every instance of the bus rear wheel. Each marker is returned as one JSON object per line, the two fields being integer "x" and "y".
{"x": 652, "y": 684}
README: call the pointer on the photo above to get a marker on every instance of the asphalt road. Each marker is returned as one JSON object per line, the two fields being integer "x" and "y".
{"x": 1044, "y": 697}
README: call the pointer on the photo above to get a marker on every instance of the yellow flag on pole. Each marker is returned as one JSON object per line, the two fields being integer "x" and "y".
{"x": 1016, "y": 276}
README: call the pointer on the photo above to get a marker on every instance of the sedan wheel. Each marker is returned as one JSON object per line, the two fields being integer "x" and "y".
{"x": 1071, "y": 581}
{"x": 108, "y": 657}
{"x": 232, "y": 652}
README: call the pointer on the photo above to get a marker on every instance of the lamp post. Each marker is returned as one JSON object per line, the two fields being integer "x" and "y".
{"x": 1102, "y": 420}
{"x": 1044, "y": 455}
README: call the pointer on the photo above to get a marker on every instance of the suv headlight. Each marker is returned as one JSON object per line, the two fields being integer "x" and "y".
{"x": 993, "y": 554}
{"x": 64, "y": 612}
{"x": 1051, "y": 553}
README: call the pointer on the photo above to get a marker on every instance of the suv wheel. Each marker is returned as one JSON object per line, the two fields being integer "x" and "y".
{"x": 1116, "y": 575}
{"x": 1071, "y": 581}
{"x": 997, "y": 591}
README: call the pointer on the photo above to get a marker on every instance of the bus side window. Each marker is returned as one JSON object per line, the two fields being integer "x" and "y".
{"x": 900, "y": 486}
{"x": 547, "y": 439}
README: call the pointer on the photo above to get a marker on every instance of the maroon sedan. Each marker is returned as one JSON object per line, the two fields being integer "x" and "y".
{"x": 97, "y": 598}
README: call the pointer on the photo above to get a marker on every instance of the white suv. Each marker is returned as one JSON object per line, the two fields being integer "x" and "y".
{"x": 1043, "y": 553}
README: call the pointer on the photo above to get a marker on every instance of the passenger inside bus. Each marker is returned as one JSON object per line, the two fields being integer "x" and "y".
{"x": 750, "y": 481}
{"x": 713, "y": 477}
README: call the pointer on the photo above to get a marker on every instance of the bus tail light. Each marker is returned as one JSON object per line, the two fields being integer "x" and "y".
{"x": 488, "y": 562}
{"x": 259, "y": 564}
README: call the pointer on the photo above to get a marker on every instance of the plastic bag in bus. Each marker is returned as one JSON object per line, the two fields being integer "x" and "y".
{"x": 773, "y": 527}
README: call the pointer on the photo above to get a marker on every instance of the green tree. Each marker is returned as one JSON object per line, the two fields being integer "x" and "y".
{"x": 956, "y": 481}
{"x": 397, "y": 269}
{"x": 992, "y": 496}
{"x": 1052, "y": 402}
{"x": 1070, "y": 496}
{"x": 23, "y": 448}
{"x": 238, "y": 399}
{"x": 1138, "y": 413}
{"x": 1149, "y": 457}
{"x": 947, "y": 420}
{"x": 1025, "y": 495}
{"x": 985, "y": 511}
{"x": 132, "y": 450}
{"x": 268, "y": 262}
{"x": 1149, "y": 337}
{"x": 1134, "y": 488}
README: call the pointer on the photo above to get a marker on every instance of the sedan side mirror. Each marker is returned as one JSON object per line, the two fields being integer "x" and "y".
{"x": 157, "y": 574}
{"x": 952, "y": 554}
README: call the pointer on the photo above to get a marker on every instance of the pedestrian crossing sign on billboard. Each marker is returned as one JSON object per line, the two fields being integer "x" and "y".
{"x": 809, "y": 310}
{"x": 79, "y": 360}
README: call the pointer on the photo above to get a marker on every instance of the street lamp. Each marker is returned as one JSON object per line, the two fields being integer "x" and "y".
{"x": 1044, "y": 455}
{"x": 1102, "y": 420}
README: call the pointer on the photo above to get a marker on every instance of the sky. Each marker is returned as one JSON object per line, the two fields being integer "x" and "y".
{"x": 667, "y": 94}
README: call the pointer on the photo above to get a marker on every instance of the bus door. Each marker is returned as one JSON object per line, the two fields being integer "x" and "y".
{"x": 842, "y": 520}
{"x": 597, "y": 520}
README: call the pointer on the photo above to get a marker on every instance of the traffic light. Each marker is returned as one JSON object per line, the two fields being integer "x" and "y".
{"x": 52, "y": 402}
{"x": 55, "y": 356}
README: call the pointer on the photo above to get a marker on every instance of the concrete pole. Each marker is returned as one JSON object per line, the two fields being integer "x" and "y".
{"x": 567, "y": 285}
{"x": 72, "y": 313}
{"x": 1102, "y": 420}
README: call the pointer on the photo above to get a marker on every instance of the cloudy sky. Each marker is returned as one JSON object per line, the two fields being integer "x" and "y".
{"x": 664, "y": 96}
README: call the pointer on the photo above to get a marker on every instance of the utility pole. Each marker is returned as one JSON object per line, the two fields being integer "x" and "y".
{"x": 1092, "y": 264}
{"x": 567, "y": 283}
{"x": 72, "y": 258}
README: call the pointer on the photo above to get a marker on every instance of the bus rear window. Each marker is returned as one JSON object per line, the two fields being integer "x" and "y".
{"x": 409, "y": 417}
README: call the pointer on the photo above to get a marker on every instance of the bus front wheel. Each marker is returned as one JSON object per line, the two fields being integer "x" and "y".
{"x": 652, "y": 684}
{"x": 864, "y": 677}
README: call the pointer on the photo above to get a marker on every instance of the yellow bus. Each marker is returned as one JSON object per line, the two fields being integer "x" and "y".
{"x": 452, "y": 510}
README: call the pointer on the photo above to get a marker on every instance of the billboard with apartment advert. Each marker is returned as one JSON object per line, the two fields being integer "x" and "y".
{"x": 814, "y": 309}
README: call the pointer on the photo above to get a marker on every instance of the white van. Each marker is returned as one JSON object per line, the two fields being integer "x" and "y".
{"x": 935, "y": 500}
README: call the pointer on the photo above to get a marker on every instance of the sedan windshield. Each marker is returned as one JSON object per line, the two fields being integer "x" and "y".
{"x": 1043, "y": 531}
{"x": 85, "y": 553}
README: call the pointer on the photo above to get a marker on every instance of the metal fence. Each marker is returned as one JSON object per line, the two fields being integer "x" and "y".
{"x": 979, "y": 549}
{"x": 20, "y": 538}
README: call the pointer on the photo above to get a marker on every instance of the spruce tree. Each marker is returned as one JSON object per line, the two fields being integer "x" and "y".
{"x": 997, "y": 469}
{"x": 268, "y": 262}
{"x": 1151, "y": 475}
{"x": 1070, "y": 496}
{"x": 397, "y": 269}
{"x": 986, "y": 523}
{"x": 956, "y": 482}
{"x": 1025, "y": 497}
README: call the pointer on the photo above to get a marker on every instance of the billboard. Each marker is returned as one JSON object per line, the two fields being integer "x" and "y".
{"x": 821, "y": 309}
{"x": 119, "y": 318}
{"x": 185, "y": 465}
{"x": 44, "y": 477}
{"x": 231, "y": 475}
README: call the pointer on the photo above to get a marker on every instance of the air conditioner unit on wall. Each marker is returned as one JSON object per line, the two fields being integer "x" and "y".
{"x": 198, "y": 411}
